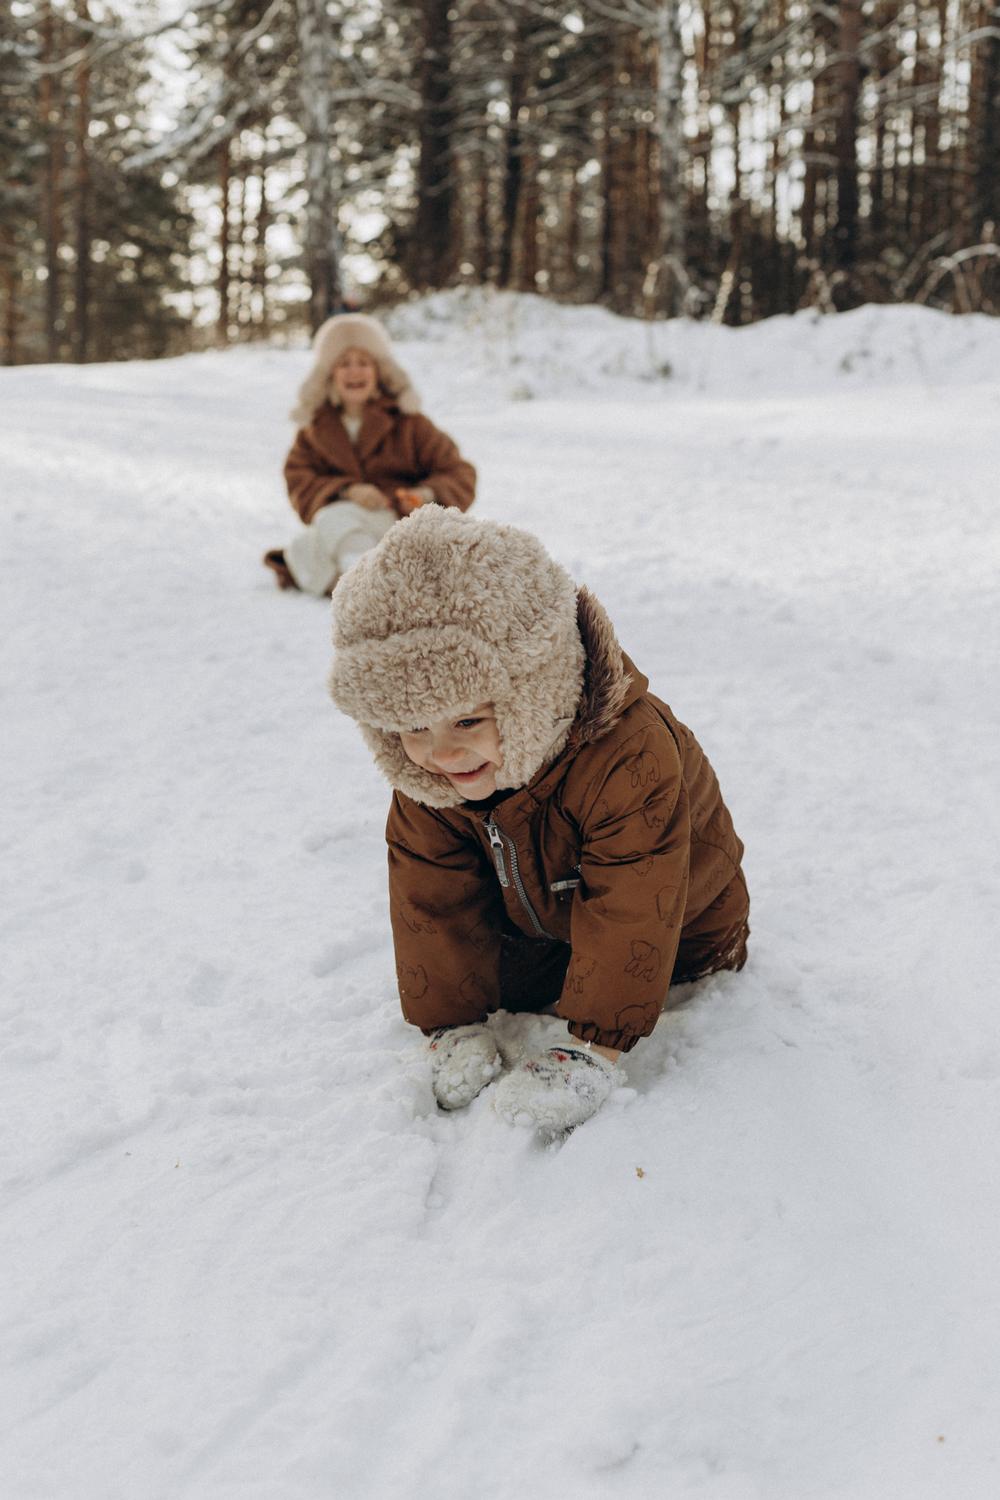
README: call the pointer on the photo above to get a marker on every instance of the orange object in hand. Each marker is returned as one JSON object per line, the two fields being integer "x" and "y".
{"x": 409, "y": 500}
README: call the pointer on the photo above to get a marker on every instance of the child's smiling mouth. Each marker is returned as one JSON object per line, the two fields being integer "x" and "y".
{"x": 467, "y": 775}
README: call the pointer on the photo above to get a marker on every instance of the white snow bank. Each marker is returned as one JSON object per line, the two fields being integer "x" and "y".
{"x": 541, "y": 348}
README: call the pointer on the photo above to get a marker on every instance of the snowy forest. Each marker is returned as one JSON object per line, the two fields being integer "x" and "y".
{"x": 246, "y": 1254}
{"x": 236, "y": 168}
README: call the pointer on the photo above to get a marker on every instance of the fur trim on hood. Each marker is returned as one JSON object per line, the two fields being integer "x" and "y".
{"x": 332, "y": 339}
{"x": 448, "y": 612}
{"x": 608, "y": 685}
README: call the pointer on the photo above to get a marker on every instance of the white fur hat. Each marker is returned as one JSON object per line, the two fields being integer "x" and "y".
{"x": 332, "y": 339}
{"x": 448, "y": 612}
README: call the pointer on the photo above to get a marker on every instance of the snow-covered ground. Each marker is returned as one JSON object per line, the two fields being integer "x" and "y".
{"x": 242, "y": 1257}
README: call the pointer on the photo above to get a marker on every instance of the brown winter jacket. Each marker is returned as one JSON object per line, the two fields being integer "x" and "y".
{"x": 621, "y": 848}
{"x": 394, "y": 450}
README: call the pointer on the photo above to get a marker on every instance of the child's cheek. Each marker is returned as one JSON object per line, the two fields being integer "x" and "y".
{"x": 409, "y": 749}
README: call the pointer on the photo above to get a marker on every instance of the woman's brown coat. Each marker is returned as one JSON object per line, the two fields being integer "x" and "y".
{"x": 394, "y": 450}
{"x": 622, "y": 849}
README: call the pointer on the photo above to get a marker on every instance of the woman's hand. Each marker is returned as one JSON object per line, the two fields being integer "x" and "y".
{"x": 368, "y": 496}
{"x": 411, "y": 499}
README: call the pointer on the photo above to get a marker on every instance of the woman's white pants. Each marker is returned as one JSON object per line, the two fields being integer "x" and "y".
{"x": 336, "y": 537}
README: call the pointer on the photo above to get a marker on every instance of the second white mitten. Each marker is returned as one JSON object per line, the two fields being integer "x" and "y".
{"x": 557, "y": 1089}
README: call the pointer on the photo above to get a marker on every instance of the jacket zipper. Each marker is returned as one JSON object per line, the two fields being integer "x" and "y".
{"x": 496, "y": 844}
{"x": 499, "y": 841}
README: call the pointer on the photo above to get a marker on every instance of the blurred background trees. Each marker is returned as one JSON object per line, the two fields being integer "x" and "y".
{"x": 179, "y": 174}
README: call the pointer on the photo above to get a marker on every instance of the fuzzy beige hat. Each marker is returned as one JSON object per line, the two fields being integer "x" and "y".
{"x": 446, "y": 613}
{"x": 332, "y": 339}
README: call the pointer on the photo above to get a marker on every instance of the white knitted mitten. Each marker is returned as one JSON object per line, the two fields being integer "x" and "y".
{"x": 558, "y": 1089}
{"x": 464, "y": 1059}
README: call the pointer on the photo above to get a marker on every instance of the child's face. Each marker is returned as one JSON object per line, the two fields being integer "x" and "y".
{"x": 465, "y": 751}
{"x": 355, "y": 377}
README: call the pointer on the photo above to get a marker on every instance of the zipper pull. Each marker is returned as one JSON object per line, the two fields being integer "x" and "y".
{"x": 496, "y": 844}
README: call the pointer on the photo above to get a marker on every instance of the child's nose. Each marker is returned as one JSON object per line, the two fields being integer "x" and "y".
{"x": 447, "y": 752}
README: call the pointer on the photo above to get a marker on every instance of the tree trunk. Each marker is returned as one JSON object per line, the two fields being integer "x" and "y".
{"x": 732, "y": 281}
{"x": 48, "y": 105}
{"x": 512, "y": 164}
{"x": 262, "y": 313}
{"x": 10, "y": 310}
{"x": 527, "y": 218}
{"x": 322, "y": 230}
{"x": 878, "y": 179}
{"x": 240, "y": 235}
{"x": 434, "y": 257}
{"x": 669, "y": 127}
{"x": 225, "y": 176}
{"x": 484, "y": 236}
{"x": 616, "y": 191}
{"x": 571, "y": 229}
{"x": 846, "y": 78}
{"x": 81, "y": 330}
{"x": 983, "y": 197}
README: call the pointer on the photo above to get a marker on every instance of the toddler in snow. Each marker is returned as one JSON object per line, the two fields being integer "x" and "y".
{"x": 363, "y": 456}
{"x": 557, "y": 839}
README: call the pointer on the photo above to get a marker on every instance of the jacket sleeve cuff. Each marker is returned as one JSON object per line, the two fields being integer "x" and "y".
{"x": 624, "y": 1041}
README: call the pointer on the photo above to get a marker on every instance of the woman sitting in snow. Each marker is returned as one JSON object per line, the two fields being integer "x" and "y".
{"x": 557, "y": 839}
{"x": 364, "y": 455}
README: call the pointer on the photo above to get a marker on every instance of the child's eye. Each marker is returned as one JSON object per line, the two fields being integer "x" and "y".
{"x": 467, "y": 723}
